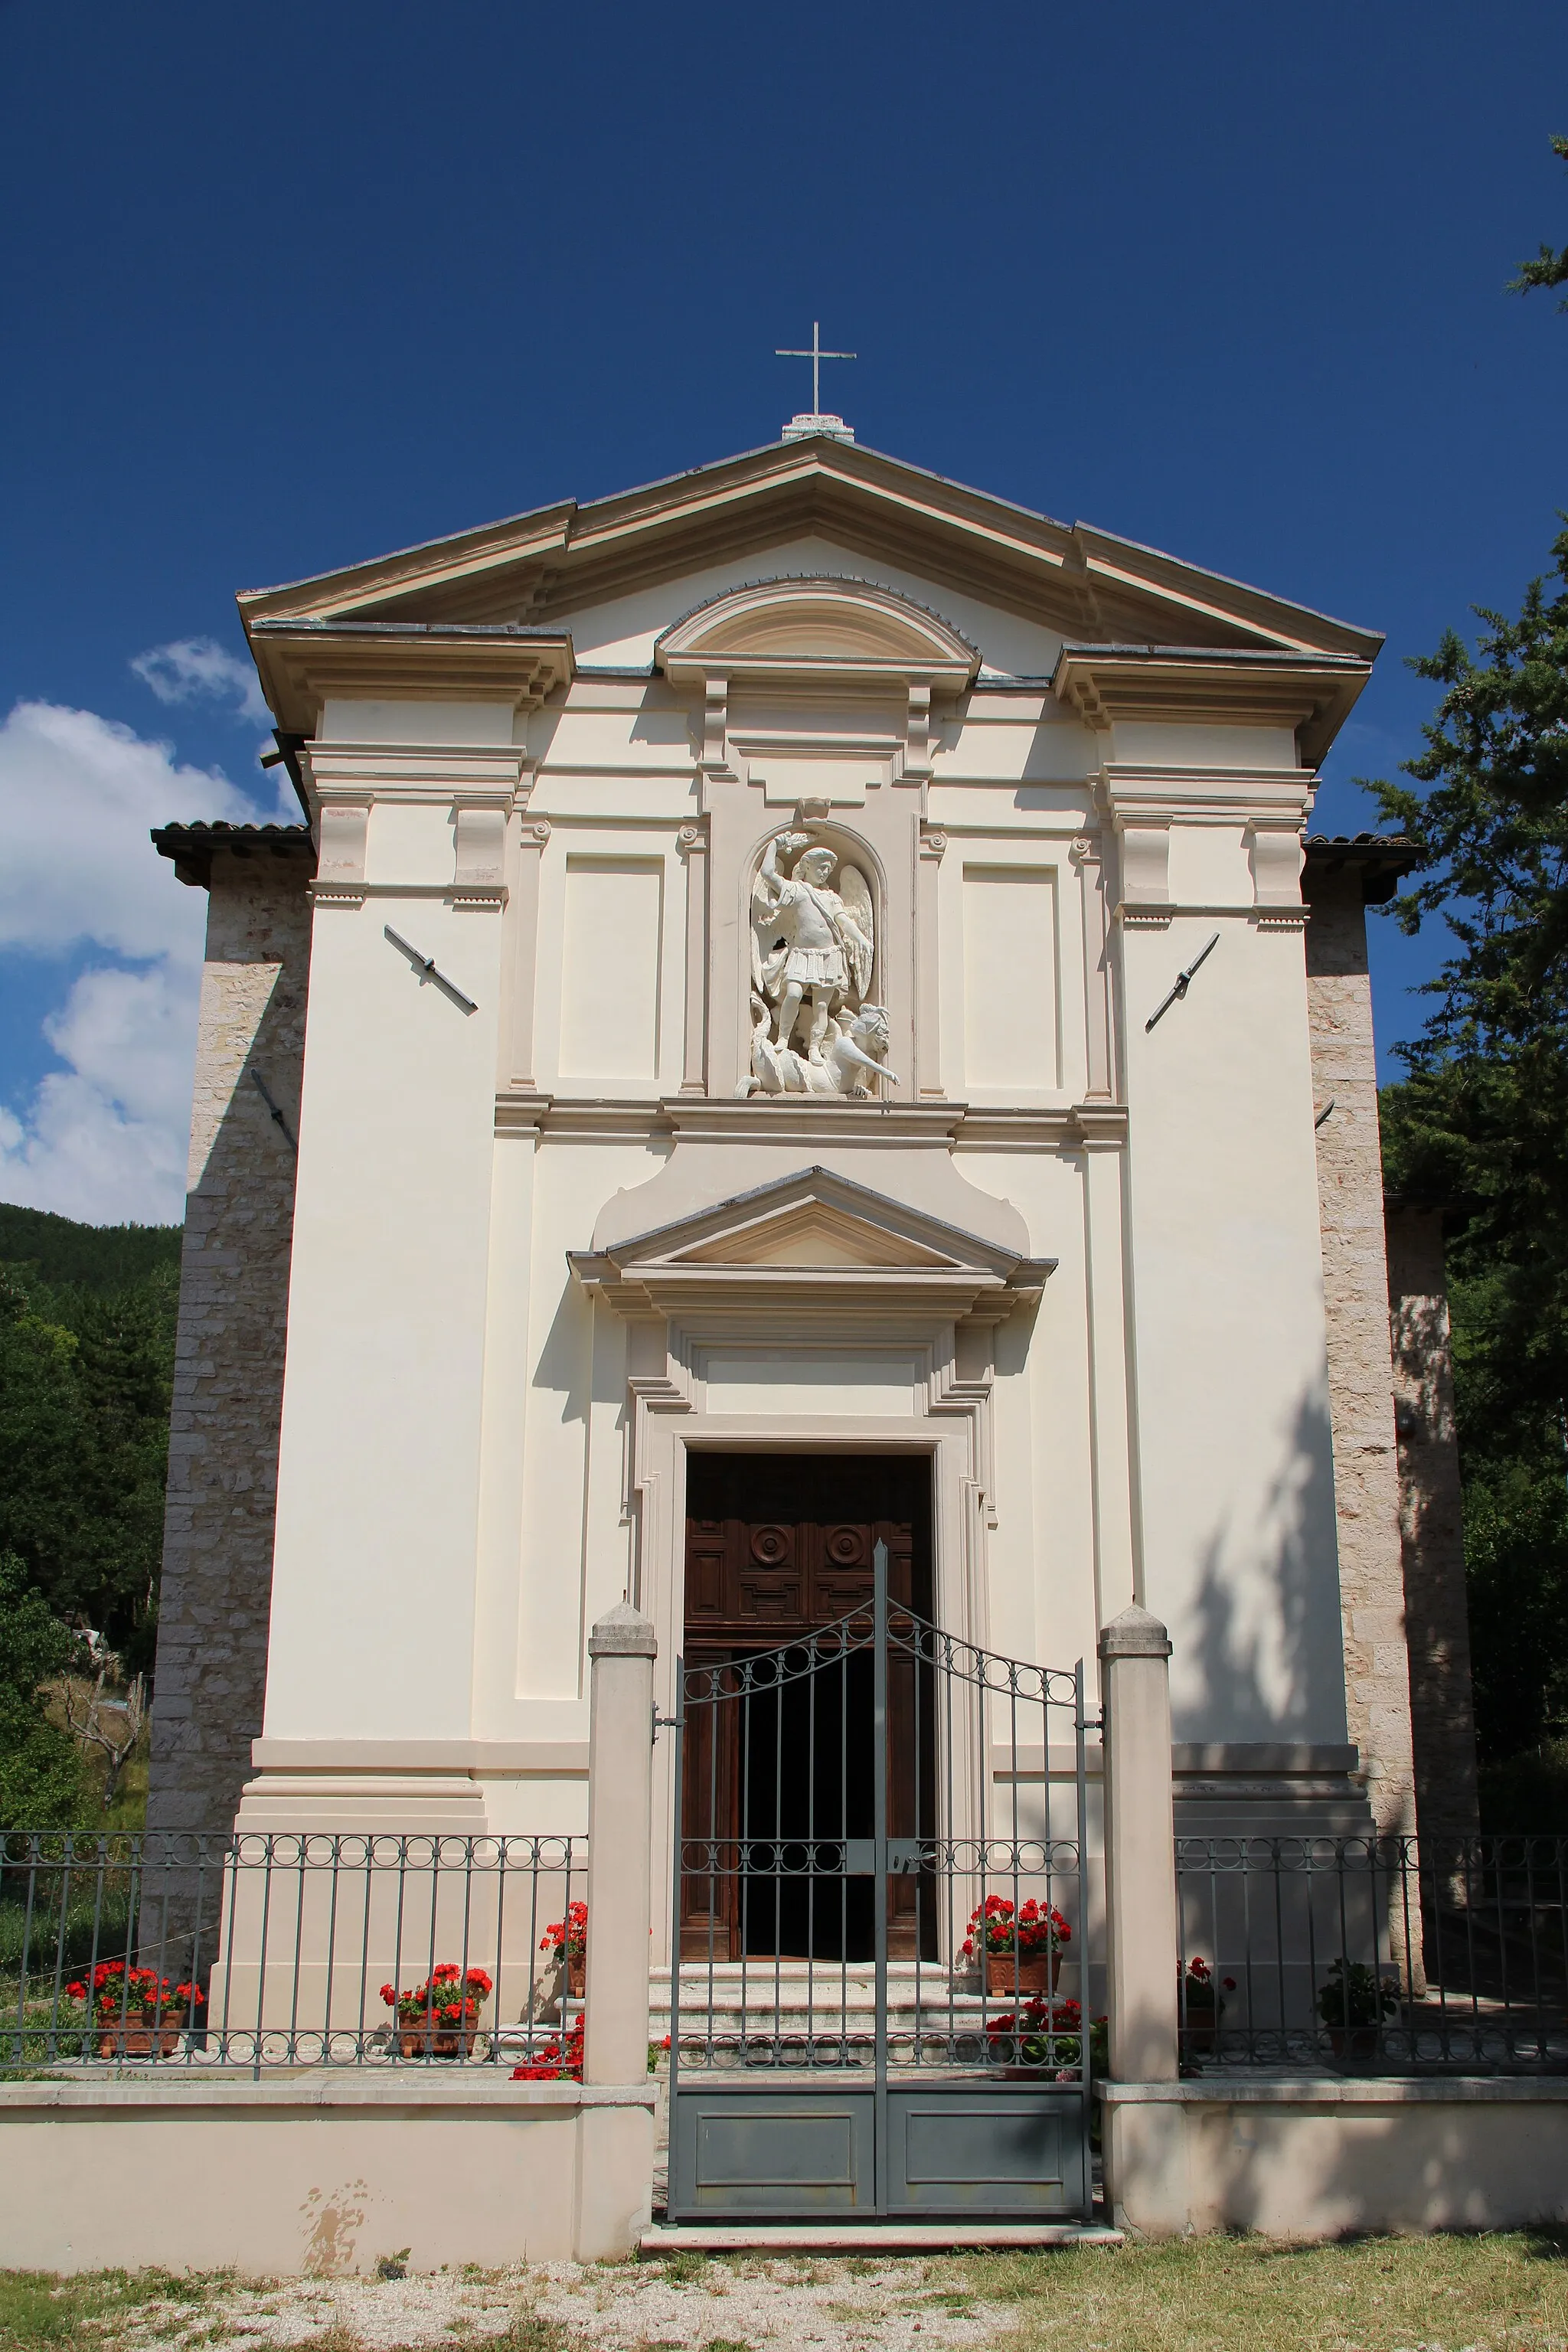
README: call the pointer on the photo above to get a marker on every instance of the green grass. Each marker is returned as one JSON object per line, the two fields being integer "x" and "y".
{"x": 38, "y": 2308}
{"x": 1500, "y": 2294}
{"x": 1497, "y": 2294}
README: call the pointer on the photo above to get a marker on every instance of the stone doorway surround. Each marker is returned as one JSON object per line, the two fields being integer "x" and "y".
{"x": 809, "y": 1315}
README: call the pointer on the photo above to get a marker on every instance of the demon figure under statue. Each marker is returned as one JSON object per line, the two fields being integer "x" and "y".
{"x": 813, "y": 949}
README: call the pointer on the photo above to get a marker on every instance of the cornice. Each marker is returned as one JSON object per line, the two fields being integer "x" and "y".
{"x": 1089, "y": 583}
{"x": 1144, "y": 793}
{"x": 479, "y": 774}
{"x": 302, "y": 662}
{"x": 960, "y": 1127}
{"x": 1312, "y": 692}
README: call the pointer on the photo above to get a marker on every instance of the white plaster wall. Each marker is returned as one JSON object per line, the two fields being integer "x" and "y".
{"x": 372, "y": 1602}
{"x": 1228, "y": 1344}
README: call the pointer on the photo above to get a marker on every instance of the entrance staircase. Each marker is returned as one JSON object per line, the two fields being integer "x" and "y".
{"x": 736, "y": 2006}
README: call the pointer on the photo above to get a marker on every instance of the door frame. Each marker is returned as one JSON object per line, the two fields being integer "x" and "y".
{"x": 674, "y": 1408}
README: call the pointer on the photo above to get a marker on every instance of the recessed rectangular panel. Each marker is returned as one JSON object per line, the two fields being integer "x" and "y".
{"x": 997, "y": 2149}
{"x": 610, "y": 969}
{"x": 770, "y": 2153}
{"x": 1010, "y": 980}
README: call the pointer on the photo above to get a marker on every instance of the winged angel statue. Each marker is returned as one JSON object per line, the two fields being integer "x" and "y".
{"x": 813, "y": 947}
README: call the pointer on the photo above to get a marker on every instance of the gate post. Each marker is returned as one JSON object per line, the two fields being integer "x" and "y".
{"x": 1145, "y": 2161}
{"x": 615, "y": 2142}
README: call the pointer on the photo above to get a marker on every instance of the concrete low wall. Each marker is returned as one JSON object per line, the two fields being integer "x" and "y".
{"x": 319, "y": 2174}
{"x": 1316, "y": 2158}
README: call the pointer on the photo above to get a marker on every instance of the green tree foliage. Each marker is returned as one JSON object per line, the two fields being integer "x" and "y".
{"x": 87, "y": 1343}
{"x": 1549, "y": 268}
{"x": 42, "y": 1786}
{"x": 1480, "y": 1124}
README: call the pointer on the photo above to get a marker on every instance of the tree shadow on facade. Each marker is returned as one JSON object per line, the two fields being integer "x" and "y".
{"x": 1258, "y": 1651}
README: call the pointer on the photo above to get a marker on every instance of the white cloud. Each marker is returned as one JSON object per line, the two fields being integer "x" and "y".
{"x": 194, "y": 669}
{"x": 105, "y": 1138}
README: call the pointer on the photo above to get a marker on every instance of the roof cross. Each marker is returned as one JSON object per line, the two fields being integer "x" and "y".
{"x": 815, "y": 355}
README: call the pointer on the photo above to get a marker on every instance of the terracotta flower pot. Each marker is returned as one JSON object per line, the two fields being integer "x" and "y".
{"x": 1353, "y": 2040}
{"x": 1033, "y": 1972}
{"x": 577, "y": 1978}
{"x": 435, "y": 2040}
{"x": 139, "y": 2041}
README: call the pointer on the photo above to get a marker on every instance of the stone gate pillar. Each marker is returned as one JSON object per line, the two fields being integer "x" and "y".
{"x": 614, "y": 2143}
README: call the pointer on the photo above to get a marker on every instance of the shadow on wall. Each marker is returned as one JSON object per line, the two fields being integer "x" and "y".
{"x": 565, "y": 1364}
{"x": 1259, "y": 1654}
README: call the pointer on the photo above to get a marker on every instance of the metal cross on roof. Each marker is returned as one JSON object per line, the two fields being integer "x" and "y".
{"x": 815, "y": 355}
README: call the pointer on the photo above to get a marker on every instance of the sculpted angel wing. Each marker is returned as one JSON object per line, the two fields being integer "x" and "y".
{"x": 855, "y": 893}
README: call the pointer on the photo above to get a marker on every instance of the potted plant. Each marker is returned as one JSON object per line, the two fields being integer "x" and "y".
{"x": 567, "y": 1941}
{"x": 557, "y": 2061}
{"x": 1022, "y": 1944}
{"x": 439, "y": 2019}
{"x": 134, "y": 2013}
{"x": 1203, "y": 2005}
{"x": 1352, "y": 2004}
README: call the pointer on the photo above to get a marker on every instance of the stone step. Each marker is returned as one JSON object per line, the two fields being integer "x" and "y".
{"x": 667, "y": 2238}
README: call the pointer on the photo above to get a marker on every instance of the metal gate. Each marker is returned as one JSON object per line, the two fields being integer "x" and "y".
{"x": 879, "y": 1991}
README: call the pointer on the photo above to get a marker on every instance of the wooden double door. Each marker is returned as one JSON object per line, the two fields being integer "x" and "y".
{"x": 778, "y": 1766}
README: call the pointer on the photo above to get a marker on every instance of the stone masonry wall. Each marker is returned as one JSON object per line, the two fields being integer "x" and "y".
{"x": 1361, "y": 1383}
{"x": 1432, "y": 1521}
{"x": 228, "y": 1372}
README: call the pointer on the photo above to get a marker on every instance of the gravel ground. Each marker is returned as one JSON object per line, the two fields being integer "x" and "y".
{"x": 693, "y": 2304}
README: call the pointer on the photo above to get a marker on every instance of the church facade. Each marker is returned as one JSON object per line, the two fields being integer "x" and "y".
{"x": 802, "y": 1008}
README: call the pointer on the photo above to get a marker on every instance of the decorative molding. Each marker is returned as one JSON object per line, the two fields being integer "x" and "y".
{"x": 822, "y": 630}
{"x": 342, "y": 832}
{"x": 477, "y": 775}
{"x": 1139, "y": 918}
{"x": 1134, "y": 794}
{"x": 533, "y": 835}
{"x": 930, "y": 847}
{"x": 691, "y": 844}
{"x": 1312, "y": 693}
{"x": 811, "y": 1247}
{"x": 478, "y": 841}
{"x": 1099, "y": 1023}
{"x": 303, "y": 663}
{"x": 917, "y": 758}
{"x": 566, "y": 1758}
{"x": 454, "y": 893}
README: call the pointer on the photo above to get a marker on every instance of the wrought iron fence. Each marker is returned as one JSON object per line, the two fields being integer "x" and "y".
{"x": 1390, "y": 1955}
{"x": 277, "y": 1949}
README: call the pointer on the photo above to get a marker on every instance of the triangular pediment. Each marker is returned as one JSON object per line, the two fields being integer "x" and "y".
{"x": 813, "y": 1232}
{"x": 535, "y": 571}
{"x": 812, "y": 1236}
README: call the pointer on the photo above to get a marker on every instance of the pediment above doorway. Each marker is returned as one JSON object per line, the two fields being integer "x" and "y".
{"x": 810, "y": 1241}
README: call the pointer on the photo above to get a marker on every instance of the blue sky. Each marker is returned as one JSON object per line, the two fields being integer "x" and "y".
{"x": 289, "y": 287}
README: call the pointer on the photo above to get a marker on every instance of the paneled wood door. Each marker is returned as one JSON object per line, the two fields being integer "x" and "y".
{"x": 778, "y": 1546}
